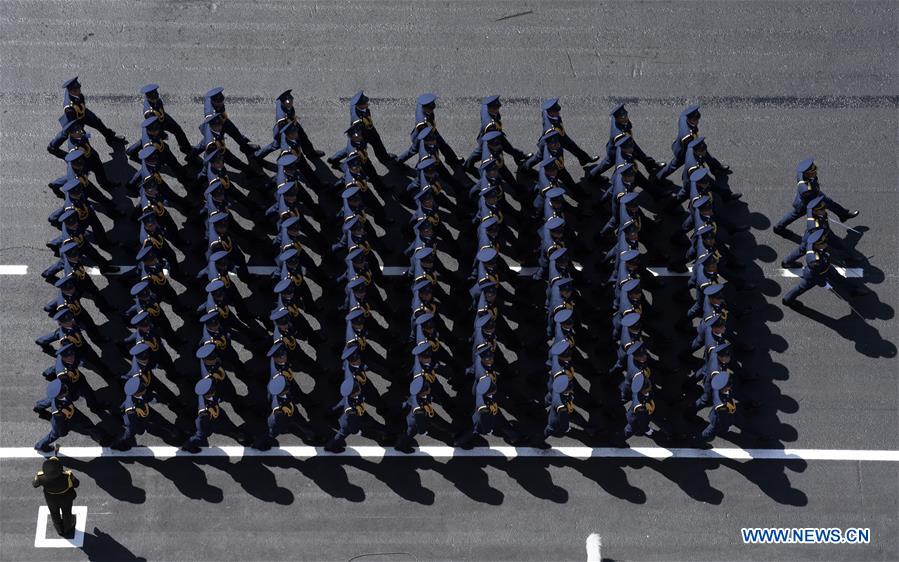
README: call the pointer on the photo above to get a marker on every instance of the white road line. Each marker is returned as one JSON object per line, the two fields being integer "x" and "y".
{"x": 594, "y": 548}
{"x": 399, "y": 271}
{"x": 446, "y": 452}
{"x": 849, "y": 272}
{"x": 40, "y": 534}
{"x": 13, "y": 269}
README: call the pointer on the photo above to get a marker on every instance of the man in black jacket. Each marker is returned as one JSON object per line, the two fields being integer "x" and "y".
{"x": 59, "y": 492}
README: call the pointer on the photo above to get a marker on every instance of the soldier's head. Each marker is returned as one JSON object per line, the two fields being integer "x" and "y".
{"x": 151, "y": 92}
{"x": 485, "y": 353}
{"x": 67, "y": 354}
{"x": 286, "y": 101}
{"x": 73, "y": 87}
{"x": 693, "y": 116}
{"x": 150, "y": 187}
{"x": 620, "y": 116}
{"x": 218, "y": 102}
{"x": 723, "y": 353}
{"x": 141, "y": 353}
{"x": 278, "y": 353}
{"x": 553, "y": 109}
{"x": 718, "y": 326}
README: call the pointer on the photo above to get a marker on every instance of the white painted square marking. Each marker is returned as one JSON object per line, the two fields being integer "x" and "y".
{"x": 40, "y": 535}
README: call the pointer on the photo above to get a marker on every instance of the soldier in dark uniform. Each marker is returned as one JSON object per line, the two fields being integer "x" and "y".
{"x": 359, "y": 111}
{"x": 819, "y": 272}
{"x": 687, "y": 130}
{"x": 721, "y": 416}
{"x": 552, "y": 121}
{"x": 424, "y": 117}
{"x": 210, "y": 417}
{"x": 284, "y": 416}
{"x": 138, "y": 417}
{"x": 285, "y": 114}
{"x": 59, "y": 493}
{"x": 560, "y": 408}
{"x": 639, "y": 414}
{"x": 491, "y": 120}
{"x": 79, "y": 139}
{"x": 353, "y": 418}
{"x": 66, "y": 369}
{"x": 153, "y": 106}
{"x": 620, "y": 126}
{"x": 214, "y": 103}
{"x": 807, "y": 189}
{"x": 64, "y": 416}
{"x": 74, "y": 107}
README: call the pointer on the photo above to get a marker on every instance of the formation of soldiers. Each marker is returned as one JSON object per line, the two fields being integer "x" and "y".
{"x": 458, "y": 333}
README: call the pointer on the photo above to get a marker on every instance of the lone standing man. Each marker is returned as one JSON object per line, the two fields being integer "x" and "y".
{"x": 59, "y": 492}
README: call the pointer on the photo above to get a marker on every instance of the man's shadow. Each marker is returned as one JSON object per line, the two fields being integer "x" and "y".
{"x": 102, "y": 546}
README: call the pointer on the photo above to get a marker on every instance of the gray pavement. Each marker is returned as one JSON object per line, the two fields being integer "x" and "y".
{"x": 778, "y": 82}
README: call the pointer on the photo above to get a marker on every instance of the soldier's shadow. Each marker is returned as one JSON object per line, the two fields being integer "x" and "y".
{"x": 111, "y": 476}
{"x": 102, "y": 546}
{"x": 867, "y": 338}
{"x": 609, "y": 474}
{"x": 188, "y": 477}
{"x": 469, "y": 477}
{"x": 328, "y": 475}
{"x": 400, "y": 475}
{"x": 770, "y": 477}
{"x": 693, "y": 480}
{"x": 534, "y": 476}
{"x": 255, "y": 478}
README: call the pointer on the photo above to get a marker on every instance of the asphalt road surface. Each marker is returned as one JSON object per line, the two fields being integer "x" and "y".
{"x": 778, "y": 82}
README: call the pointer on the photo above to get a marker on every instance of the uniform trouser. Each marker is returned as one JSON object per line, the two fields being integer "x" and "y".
{"x": 718, "y": 425}
{"x": 609, "y": 160}
{"x": 795, "y": 213}
{"x": 166, "y": 329}
{"x": 79, "y": 422}
{"x": 91, "y": 120}
{"x": 171, "y": 126}
{"x": 374, "y": 139}
{"x": 60, "y": 506}
{"x": 88, "y": 250}
{"x": 507, "y": 148}
{"x": 720, "y": 186}
{"x": 837, "y": 281}
{"x": 677, "y": 160}
{"x": 89, "y": 289}
{"x": 95, "y": 165}
{"x": 167, "y": 293}
{"x": 304, "y": 142}
{"x": 154, "y": 424}
{"x": 637, "y": 424}
{"x": 222, "y": 424}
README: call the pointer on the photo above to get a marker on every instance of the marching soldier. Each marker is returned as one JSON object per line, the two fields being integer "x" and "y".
{"x": 424, "y": 117}
{"x": 285, "y": 114}
{"x": 360, "y": 112}
{"x": 807, "y": 189}
{"x": 75, "y": 108}
{"x": 153, "y": 106}
{"x": 687, "y": 130}
{"x": 819, "y": 272}
{"x": 138, "y": 417}
{"x": 64, "y": 416}
{"x": 639, "y": 414}
{"x": 721, "y": 416}
{"x": 284, "y": 416}
{"x": 619, "y": 127}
